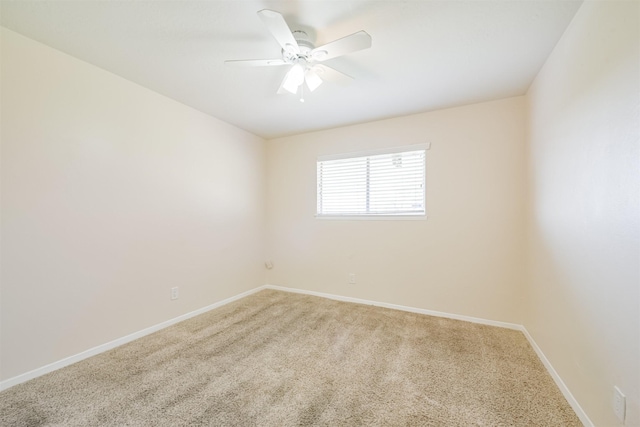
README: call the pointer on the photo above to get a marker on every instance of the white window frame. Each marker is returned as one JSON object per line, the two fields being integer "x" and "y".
{"x": 390, "y": 150}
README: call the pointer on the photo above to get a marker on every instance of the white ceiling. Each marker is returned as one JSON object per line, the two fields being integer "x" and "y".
{"x": 426, "y": 55}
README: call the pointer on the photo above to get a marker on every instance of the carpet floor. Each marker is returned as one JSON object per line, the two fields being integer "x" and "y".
{"x": 284, "y": 359}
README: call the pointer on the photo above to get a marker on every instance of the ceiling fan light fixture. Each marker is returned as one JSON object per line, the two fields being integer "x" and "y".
{"x": 312, "y": 79}
{"x": 293, "y": 79}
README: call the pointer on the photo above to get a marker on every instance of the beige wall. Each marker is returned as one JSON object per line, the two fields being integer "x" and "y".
{"x": 584, "y": 160}
{"x": 466, "y": 258}
{"x": 111, "y": 195}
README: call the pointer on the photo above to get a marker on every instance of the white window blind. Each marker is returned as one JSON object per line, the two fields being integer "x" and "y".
{"x": 372, "y": 185}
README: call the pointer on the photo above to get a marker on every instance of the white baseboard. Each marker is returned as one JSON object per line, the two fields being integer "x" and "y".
{"x": 117, "y": 342}
{"x": 558, "y": 380}
{"x": 401, "y": 307}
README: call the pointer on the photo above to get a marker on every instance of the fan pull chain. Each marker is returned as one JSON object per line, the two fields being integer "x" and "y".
{"x": 302, "y": 92}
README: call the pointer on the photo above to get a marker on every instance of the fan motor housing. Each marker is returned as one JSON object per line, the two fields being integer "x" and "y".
{"x": 305, "y": 45}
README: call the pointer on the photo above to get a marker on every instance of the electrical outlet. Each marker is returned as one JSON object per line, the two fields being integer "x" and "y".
{"x": 619, "y": 403}
{"x": 174, "y": 293}
{"x": 352, "y": 278}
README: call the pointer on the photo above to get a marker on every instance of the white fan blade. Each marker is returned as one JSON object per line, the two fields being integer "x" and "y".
{"x": 332, "y": 75}
{"x": 351, "y": 43}
{"x": 256, "y": 62}
{"x": 279, "y": 29}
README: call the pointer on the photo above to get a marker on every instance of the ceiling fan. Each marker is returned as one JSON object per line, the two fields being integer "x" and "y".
{"x": 304, "y": 59}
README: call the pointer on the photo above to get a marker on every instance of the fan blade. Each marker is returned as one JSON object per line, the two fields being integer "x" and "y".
{"x": 332, "y": 75}
{"x": 256, "y": 62}
{"x": 351, "y": 43}
{"x": 279, "y": 29}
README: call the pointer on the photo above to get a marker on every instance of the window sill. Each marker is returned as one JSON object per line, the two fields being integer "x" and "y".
{"x": 372, "y": 217}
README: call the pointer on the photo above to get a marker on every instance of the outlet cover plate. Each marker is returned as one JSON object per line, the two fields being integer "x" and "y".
{"x": 619, "y": 403}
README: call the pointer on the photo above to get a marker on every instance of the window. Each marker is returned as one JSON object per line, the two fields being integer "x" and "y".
{"x": 389, "y": 183}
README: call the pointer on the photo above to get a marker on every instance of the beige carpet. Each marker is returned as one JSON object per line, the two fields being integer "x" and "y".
{"x": 283, "y": 359}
